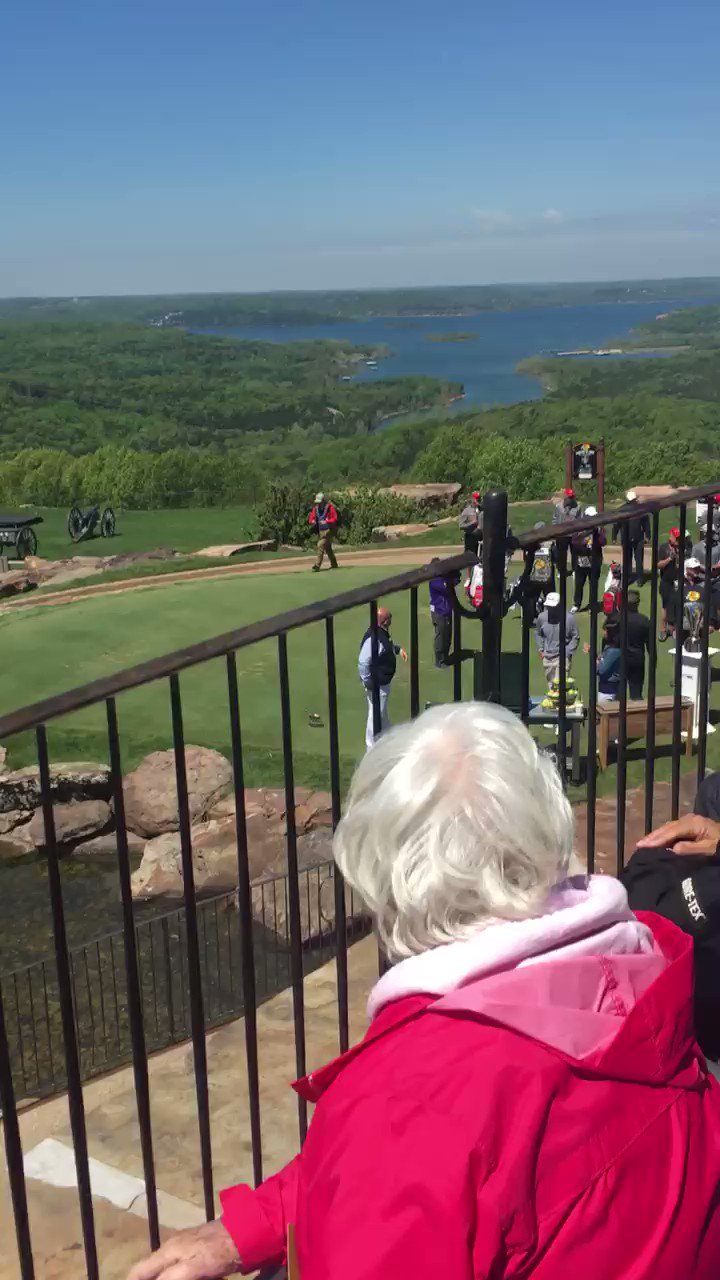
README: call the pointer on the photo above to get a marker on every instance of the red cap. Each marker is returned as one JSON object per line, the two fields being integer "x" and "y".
{"x": 568, "y": 493}
{"x": 476, "y": 496}
{"x": 717, "y": 497}
{"x": 675, "y": 533}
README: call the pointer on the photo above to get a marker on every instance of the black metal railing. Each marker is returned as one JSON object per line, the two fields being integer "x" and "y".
{"x": 31, "y": 996}
{"x": 493, "y": 678}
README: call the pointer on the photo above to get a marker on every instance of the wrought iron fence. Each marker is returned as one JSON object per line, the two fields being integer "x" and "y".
{"x": 489, "y": 658}
{"x": 31, "y": 995}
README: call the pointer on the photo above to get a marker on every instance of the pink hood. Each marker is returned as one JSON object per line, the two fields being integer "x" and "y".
{"x": 567, "y": 978}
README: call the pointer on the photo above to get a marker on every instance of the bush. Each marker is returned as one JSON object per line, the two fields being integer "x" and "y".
{"x": 283, "y": 513}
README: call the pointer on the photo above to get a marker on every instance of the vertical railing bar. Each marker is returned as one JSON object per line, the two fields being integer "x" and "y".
{"x": 76, "y": 1104}
{"x": 165, "y": 930}
{"x": 652, "y": 678}
{"x": 14, "y": 1155}
{"x": 18, "y": 1019}
{"x": 102, "y": 1000}
{"x": 623, "y": 691}
{"x": 527, "y": 605}
{"x": 561, "y": 557}
{"x": 341, "y": 960}
{"x": 33, "y": 1027}
{"x": 132, "y": 977}
{"x": 457, "y": 652}
{"x": 153, "y": 975}
{"x": 677, "y": 690}
{"x": 115, "y": 990}
{"x": 596, "y": 563}
{"x": 296, "y": 959}
{"x": 218, "y": 972}
{"x": 374, "y": 686}
{"x": 414, "y": 655}
{"x": 91, "y": 1011}
{"x": 245, "y": 916}
{"x": 51, "y": 1055}
{"x": 704, "y": 699}
{"x": 197, "y": 1015}
{"x": 494, "y": 543}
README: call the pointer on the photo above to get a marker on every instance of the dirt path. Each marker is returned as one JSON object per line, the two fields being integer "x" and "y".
{"x": 390, "y": 556}
{"x": 405, "y": 557}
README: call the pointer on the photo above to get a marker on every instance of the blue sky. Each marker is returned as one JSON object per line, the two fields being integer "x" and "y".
{"x": 151, "y": 146}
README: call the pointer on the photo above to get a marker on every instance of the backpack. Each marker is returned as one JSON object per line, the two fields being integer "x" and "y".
{"x": 542, "y": 570}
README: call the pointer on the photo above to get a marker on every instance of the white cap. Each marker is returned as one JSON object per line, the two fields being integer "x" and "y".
{"x": 693, "y": 563}
{"x": 552, "y": 600}
{"x": 591, "y": 511}
{"x": 319, "y": 497}
{"x": 631, "y": 495}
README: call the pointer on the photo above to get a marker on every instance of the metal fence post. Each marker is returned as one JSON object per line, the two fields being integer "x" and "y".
{"x": 495, "y": 506}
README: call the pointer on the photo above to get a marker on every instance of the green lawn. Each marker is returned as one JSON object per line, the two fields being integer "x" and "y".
{"x": 184, "y": 530}
{"x": 46, "y": 651}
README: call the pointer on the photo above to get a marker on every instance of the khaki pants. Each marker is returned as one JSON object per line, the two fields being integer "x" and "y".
{"x": 325, "y": 548}
{"x": 551, "y": 666}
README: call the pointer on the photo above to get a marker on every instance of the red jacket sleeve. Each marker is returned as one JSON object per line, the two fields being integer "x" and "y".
{"x": 330, "y": 514}
{"x": 312, "y": 518}
{"x": 258, "y": 1220}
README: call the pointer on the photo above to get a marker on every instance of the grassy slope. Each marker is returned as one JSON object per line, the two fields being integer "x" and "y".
{"x": 184, "y": 530}
{"x": 45, "y": 652}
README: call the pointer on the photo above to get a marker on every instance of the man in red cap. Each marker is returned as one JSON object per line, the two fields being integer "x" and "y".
{"x": 668, "y": 565}
{"x": 471, "y": 522}
{"x": 567, "y": 509}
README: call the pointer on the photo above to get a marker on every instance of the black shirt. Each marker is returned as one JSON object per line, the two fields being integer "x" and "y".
{"x": 669, "y": 573}
{"x": 638, "y": 638}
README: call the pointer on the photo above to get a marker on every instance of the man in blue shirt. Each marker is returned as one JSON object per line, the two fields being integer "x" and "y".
{"x": 380, "y": 672}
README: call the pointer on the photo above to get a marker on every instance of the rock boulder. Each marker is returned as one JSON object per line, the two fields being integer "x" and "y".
{"x": 20, "y": 788}
{"x": 75, "y": 821}
{"x": 151, "y": 807}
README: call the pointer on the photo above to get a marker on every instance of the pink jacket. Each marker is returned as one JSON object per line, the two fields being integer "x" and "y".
{"x": 528, "y": 1103}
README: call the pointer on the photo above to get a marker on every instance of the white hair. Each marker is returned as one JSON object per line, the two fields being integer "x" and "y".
{"x": 453, "y": 821}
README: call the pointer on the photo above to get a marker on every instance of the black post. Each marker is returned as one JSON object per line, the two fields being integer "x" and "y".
{"x": 339, "y": 883}
{"x": 495, "y": 508}
{"x": 595, "y": 571}
{"x": 414, "y": 655}
{"x": 561, "y": 556}
{"x": 652, "y": 681}
{"x": 704, "y": 646}
{"x": 374, "y": 686}
{"x": 677, "y": 690}
{"x": 623, "y": 692}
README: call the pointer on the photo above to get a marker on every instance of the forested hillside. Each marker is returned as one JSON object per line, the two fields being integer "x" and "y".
{"x": 79, "y": 387}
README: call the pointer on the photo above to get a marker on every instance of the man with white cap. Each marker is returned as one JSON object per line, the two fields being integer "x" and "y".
{"x": 638, "y": 527}
{"x": 587, "y": 551}
{"x": 547, "y": 637}
{"x": 323, "y": 519}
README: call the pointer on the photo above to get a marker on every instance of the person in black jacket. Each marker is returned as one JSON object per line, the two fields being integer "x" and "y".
{"x": 638, "y": 643}
{"x": 675, "y": 871}
{"x": 378, "y": 670}
{"x": 638, "y": 535}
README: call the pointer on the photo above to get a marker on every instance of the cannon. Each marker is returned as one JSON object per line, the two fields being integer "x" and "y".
{"x": 83, "y": 524}
{"x": 18, "y": 532}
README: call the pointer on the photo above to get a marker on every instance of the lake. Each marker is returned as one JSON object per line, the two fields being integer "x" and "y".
{"x": 486, "y": 365}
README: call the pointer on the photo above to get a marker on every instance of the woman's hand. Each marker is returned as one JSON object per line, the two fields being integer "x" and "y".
{"x": 202, "y": 1253}
{"x": 691, "y": 834}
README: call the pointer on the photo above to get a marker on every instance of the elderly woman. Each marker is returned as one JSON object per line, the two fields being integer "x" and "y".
{"x": 529, "y": 1100}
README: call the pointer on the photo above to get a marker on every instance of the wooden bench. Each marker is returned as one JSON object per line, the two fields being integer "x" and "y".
{"x": 609, "y": 721}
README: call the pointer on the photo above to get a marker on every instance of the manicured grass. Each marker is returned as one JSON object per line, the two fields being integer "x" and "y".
{"x": 46, "y": 651}
{"x": 182, "y": 529}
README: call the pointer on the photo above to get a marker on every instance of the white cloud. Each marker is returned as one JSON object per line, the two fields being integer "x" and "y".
{"x": 553, "y": 215}
{"x": 488, "y": 221}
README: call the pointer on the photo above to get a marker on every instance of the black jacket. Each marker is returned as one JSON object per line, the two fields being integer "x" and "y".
{"x": 638, "y": 529}
{"x": 386, "y": 664}
{"x": 685, "y": 888}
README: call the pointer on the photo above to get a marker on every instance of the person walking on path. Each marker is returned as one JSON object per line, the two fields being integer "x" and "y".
{"x": 547, "y": 638}
{"x": 584, "y": 557}
{"x": 323, "y": 519}
{"x": 381, "y": 672}
{"x": 470, "y": 521}
{"x": 638, "y": 535}
{"x": 442, "y": 595}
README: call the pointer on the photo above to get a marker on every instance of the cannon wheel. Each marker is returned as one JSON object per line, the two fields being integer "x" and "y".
{"x": 74, "y": 524}
{"x": 107, "y": 523}
{"x": 26, "y": 544}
